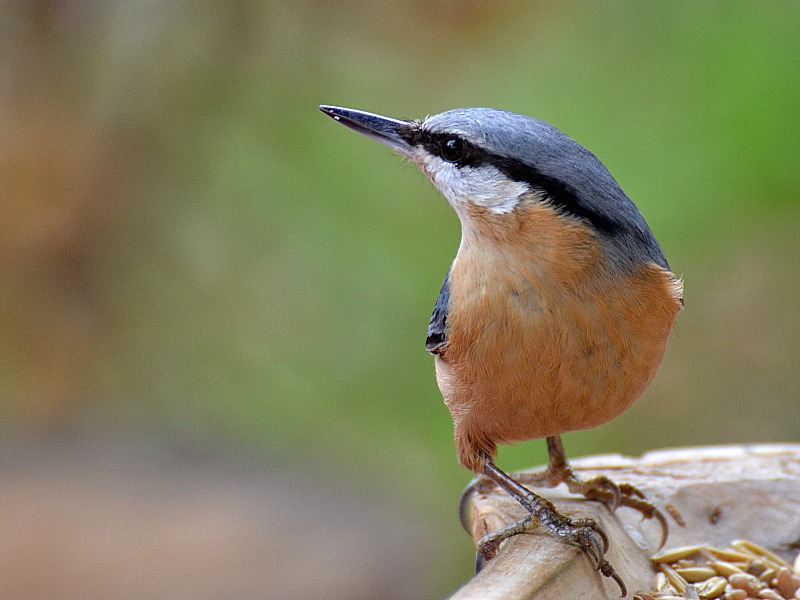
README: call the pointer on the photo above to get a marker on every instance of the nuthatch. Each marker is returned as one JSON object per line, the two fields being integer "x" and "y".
{"x": 555, "y": 313}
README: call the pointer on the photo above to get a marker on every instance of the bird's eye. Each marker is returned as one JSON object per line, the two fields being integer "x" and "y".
{"x": 452, "y": 149}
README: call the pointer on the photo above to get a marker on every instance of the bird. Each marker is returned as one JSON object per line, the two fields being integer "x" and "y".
{"x": 555, "y": 313}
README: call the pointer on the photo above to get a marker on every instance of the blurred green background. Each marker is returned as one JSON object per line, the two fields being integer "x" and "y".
{"x": 190, "y": 251}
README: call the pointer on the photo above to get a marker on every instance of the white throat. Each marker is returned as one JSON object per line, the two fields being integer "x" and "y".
{"x": 484, "y": 186}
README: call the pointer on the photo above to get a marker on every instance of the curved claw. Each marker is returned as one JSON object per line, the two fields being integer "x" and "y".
{"x": 591, "y": 532}
{"x": 629, "y": 490}
{"x": 480, "y": 562}
{"x": 627, "y": 495}
{"x": 463, "y": 503}
{"x": 592, "y": 525}
{"x": 598, "y": 549}
{"x": 608, "y": 571}
{"x": 617, "y": 493}
{"x": 588, "y": 537}
{"x": 648, "y": 511}
{"x": 600, "y": 489}
{"x": 664, "y": 528}
{"x": 612, "y": 488}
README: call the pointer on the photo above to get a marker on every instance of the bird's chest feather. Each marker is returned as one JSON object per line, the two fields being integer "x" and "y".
{"x": 546, "y": 340}
{"x": 518, "y": 290}
{"x": 505, "y": 321}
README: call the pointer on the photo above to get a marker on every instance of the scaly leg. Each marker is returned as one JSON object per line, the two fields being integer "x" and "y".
{"x": 558, "y": 470}
{"x": 601, "y": 488}
{"x": 543, "y": 515}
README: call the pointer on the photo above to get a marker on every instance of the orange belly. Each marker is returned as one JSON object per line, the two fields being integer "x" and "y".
{"x": 530, "y": 354}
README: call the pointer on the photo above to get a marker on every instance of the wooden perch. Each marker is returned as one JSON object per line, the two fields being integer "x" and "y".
{"x": 721, "y": 494}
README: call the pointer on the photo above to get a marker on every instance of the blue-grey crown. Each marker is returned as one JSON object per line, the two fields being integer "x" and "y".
{"x": 574, "y": 179}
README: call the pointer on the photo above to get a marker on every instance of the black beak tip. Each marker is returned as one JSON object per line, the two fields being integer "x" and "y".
{"x": 331, "y": 111}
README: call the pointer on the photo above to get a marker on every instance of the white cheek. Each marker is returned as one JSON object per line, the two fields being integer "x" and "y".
{"x": 483, "y": 186}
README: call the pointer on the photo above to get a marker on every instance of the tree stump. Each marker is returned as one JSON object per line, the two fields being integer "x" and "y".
{"x": 719, "y": 493}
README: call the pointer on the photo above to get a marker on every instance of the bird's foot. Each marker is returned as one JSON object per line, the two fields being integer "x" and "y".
{"x": 585, "y": 533}
{"x": 489, "y": 544}
{"x": 601, "y": 489}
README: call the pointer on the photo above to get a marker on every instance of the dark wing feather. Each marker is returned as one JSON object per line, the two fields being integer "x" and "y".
{"x": 437, "y": 328}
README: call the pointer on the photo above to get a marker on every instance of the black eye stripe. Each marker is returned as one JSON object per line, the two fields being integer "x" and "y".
{"x": 434, "y": 143}
{"x": 557, "y": 191}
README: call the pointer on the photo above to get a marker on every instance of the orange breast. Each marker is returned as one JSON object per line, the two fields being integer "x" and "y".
{"x": 543, "y": 338}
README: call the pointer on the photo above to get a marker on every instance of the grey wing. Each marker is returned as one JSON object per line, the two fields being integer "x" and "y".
{"x": 437, "y": 328}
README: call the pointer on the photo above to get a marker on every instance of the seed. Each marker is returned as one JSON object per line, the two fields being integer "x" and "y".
{"x": 748, "y": 583}
{"x": 768, "y": 575}
{"x": 684, "y": 563}
{"x": 787, "y": 583}
{"x": 725, "y": 569}
{"x": 676, "y": 554}
{"x": 757, "y": 567}
{"x": 756, "y": 550}
{"x": 731, "y": 556}
{"x": 752, "y": 572}
{"x": 678, "y": 582}
{"x": 696, "y": 574}
{"x": 769, "y": 594}
{"x": 713, "y": 588}
{"x": 691, "y": 592}
{"x": 673, "y": 512}
{"x": 662, "y": 583}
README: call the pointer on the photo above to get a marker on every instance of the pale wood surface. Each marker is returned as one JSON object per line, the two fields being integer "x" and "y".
{"x": 723, "y": 493}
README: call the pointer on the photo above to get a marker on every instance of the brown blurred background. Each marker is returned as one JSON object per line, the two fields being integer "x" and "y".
{"x": 213, "y": 299}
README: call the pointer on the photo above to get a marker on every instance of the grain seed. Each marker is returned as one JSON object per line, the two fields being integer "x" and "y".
{"x": 696, "y": 574}
{"x": 725, "y": 569}
{"x": 786, "y": 582}
{"x": 713, "y": 588}
{"x": 678, "y": 582}
{"x": 748, "y": 583}
{"x": 756, "y": 550}
{"x": 676, "y": 554}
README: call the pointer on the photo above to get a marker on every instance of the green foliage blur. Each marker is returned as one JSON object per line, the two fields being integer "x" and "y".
{"x": 190, "y": 247}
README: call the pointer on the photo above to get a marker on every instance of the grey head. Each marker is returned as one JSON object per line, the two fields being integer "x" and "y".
{"x": 496, "y": 158}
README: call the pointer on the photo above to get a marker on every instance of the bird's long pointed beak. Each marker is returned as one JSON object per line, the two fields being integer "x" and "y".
{"x": 389, "y": 132}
